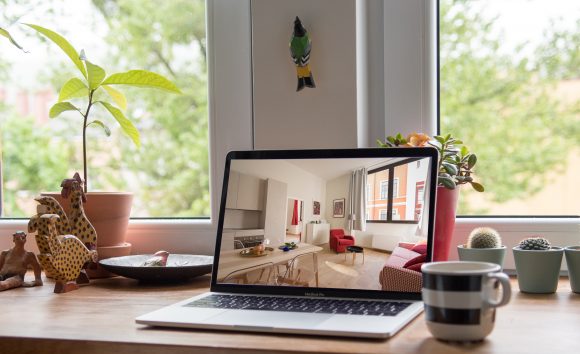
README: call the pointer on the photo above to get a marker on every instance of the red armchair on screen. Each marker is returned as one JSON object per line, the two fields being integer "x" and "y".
{"x": 339, "y": 241}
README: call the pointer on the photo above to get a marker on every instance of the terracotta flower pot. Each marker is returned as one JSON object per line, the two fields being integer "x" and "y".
{"x": 445, "y": 209}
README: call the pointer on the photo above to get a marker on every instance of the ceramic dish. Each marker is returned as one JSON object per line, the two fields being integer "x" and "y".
{"x": 179, "y": 267}
{"x": 248, "y": 252}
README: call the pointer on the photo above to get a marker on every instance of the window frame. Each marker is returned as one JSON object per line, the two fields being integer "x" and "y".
{"x": 384, "y": 196}
{"x": 403, "y": 40}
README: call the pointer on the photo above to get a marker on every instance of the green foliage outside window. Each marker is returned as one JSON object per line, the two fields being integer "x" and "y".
{"x": 169, "y": 174}
{"x": 504, "y": 105}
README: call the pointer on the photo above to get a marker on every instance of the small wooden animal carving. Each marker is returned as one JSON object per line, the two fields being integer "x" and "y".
{"x": 48, "y": 205}
{"x": 67, "y": 256}
{"x": 80, "y": 225}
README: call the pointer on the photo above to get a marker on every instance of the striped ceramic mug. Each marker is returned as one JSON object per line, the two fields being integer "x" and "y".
{"x": 460, "y": 298}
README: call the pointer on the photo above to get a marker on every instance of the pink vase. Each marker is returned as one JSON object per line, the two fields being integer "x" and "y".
{"x": 445, "y": 210}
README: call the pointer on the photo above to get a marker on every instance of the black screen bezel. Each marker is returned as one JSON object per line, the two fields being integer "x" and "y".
{"x": 426, "y": 152}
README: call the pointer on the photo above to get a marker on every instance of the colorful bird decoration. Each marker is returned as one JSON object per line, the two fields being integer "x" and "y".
{"x": 300, "y": 46}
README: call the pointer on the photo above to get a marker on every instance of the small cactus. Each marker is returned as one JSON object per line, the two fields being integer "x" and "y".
{"x": 484, "y": 237}
{"x": 535, "y": 244}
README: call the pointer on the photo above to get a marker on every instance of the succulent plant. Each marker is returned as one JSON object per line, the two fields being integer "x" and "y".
{"x": 455, "y": 163}
{"x": 534, "y": 244}
{"x": 484, "y": 237}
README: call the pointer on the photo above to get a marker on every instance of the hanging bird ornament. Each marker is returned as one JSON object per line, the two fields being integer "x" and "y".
{"x": 300, "y": 46}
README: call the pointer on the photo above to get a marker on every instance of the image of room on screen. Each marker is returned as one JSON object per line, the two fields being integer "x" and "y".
{"x": 349, "y": 223}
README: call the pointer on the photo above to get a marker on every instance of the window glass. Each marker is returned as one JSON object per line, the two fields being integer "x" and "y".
{"x": 169, "y": 174}
{"x": 510, "y": 89}
{"x": 407, "y": 180}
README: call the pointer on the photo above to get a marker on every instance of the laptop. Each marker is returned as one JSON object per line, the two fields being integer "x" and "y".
{"x": 317, "y": 242}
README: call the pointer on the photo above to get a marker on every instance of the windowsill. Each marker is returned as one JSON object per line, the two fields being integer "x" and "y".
{"x": 189, "y": 236}
{"x": 197, "y": 236}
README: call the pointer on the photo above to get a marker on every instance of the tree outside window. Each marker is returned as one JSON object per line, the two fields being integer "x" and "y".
{"x": 510, "y": 88}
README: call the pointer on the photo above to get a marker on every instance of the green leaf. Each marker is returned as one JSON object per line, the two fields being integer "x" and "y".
{"x": 478, "y": 187}
{"x": 102, "y": 125}
{"x": 464, "y": 151}
{"x": 96, "y": 75}
{"x": 126, "y": 125}
{"x": 447, "y": 182}
{"x": 451, "y": 169}
{"x": 471, "y": 161}
{"x": 73, "y": 88}
{"x": 66, "y": 47}
{"x": 60, "y": 107}
{"x": 390, "y": 139}
{"x": 141, "y": 78}
{"x": 439, "y": 139}
{"x": 7, "y": 34}
{"x": 121, "y": 100}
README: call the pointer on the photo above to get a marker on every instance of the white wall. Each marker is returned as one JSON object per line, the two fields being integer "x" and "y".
{"x": 337, "y": 189}
{"x": 301, "y": 184}
{"x": 323, "y": 117}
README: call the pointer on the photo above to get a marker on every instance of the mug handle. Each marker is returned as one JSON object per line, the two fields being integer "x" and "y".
{"x": 504, "y": 280}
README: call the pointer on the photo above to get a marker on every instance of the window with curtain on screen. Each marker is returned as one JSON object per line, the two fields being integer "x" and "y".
{"x": 510, "y": 88}
{"x": 169, "y": 174}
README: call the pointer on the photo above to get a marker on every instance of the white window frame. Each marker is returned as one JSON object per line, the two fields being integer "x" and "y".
{"x": 396, "y": 187}
{"x": 385, "y": 212}
{"x": 401, "y": 64}
{"x": 384, "y": 183}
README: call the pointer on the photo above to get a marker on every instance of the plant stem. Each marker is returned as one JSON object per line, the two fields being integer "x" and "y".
{"x": 86, "y": 117}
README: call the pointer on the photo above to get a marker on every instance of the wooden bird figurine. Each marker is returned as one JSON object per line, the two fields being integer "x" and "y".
{"x": 67, "y": 257}
{"x": 80, "y": 225}
{"x": 48, "y": 205}
{"x": 159, "y": 259}
{"x": 300, "y": 46}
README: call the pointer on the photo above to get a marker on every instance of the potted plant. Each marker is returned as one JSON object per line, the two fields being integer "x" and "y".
{"x": 573, "y": 261}
{"x": 108, "y": 212}
{"x": 537, "y": 265}
{"x": 455, "y": 167}
{"x": 483, "y": 245}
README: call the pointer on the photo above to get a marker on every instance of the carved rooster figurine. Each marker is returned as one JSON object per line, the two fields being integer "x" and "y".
{"x": 81, "y": 227}
{"x": 67, "y": 256}
{"x": 48, "y": 205}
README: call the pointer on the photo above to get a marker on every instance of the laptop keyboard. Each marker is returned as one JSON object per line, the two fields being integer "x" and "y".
{"x": 293, "y": 304}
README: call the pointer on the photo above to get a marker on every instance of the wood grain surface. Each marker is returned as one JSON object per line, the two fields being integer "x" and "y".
{"x": 99, "y": 318}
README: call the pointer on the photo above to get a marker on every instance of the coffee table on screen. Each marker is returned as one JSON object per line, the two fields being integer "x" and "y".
{"x": 354, "y": 250}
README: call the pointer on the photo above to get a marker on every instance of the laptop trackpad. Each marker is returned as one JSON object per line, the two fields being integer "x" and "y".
{"x": 273, "y": 319}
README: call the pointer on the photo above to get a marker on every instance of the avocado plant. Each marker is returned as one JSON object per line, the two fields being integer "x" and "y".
{"x": 93, "y": 79}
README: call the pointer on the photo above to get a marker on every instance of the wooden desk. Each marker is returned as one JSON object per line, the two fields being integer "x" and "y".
{"x": 99, "y": 318}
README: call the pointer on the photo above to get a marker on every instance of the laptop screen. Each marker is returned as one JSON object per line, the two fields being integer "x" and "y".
{"x": 326, "y": 219}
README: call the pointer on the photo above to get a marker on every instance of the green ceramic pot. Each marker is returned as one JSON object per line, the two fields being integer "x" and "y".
{"x": 538, "y": 271}
{"x": 490, "y": 255}
{"x": 573, "y": 261}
